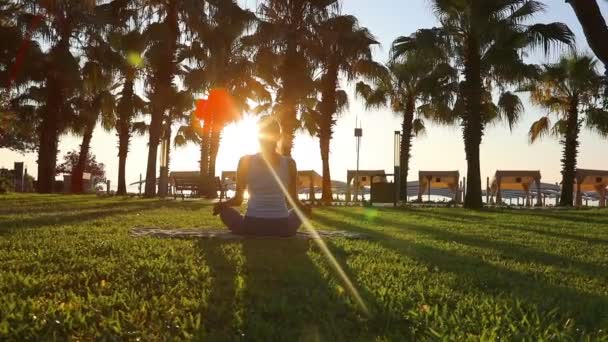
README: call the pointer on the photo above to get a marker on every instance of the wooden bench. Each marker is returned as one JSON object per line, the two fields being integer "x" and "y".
{"x": 185, "y": 181}
{"x": 190, "y": 181}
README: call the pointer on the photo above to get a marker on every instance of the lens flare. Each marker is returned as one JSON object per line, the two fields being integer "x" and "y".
{"x": 370, "y": 214}
{"x": 219, "y": 106}
{"x": 319, "y": 241}
{"x": 134, "y": 59}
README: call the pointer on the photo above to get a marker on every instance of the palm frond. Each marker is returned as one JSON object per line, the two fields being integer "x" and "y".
{"x": 597, "y": 120}
{"x": 510, "y": 108}
{"x": 418, "y": 127}
{"x": 539, "y": 129}
{"x": 342, "y": 102}
{"x": 547, "y": 35}
{"x": 140, "y": 128}
{"x": 374, "y": 98}
{"x": 559, "y": 128}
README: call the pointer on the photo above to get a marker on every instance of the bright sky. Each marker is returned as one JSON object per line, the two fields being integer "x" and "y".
{"x": 440, "y": 149}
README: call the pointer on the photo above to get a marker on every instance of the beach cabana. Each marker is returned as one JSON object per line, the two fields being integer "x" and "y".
{"x": 363, "y": 178}
{"x": 591, "y": 181}
{"x": 516, "y": 181}
{"x": 429, "y": 180}
{"x": 307, "y": 179}
{"x": 310, "y": 179}
{"x": 547, "y": 190}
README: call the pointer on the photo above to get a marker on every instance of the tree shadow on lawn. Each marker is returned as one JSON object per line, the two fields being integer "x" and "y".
{"x": 278, "y": 293}
{"x": 383, "y": 322}
{"x": 508, "y": 250}
{"x": 580, "y": 216}
{"x": 92, "y": 202}
{"x": 531, "y": 228}
{"x": 454, "y": 216}
{"x": 589, "y": 309}
{"x": 78, "y": 215}
{"x": 49, "y": 205}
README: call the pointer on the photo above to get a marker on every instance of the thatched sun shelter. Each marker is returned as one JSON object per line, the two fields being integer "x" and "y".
{"x": 307, "y": 179}
{"x": 363, "y": 178}
{"x": 428, "y": 180}
{"x": 517, "y": 181}
{"x": 310, "y": 179}
{"x": 591, "y": 181}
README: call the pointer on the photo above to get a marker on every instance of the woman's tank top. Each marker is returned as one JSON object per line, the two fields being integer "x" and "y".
{"x": 266, "y": 199}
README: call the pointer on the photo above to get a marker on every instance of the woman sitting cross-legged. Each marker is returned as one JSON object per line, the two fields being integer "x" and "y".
{"x": 267, "y": 209}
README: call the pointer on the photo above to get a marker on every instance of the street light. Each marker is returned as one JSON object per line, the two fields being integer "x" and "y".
{"x": 164, "y": 168}
{"x": 358, "y": 135}
{"x": 397, "y": 164}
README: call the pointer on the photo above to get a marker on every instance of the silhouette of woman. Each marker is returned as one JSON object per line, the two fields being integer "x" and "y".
{"x": 267, "y": 209}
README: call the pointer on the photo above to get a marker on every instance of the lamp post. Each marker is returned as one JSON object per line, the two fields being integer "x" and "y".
{"x": 397, "y": 165}
{"x": 358, "y": 135}
{"x": 164, "y": 168}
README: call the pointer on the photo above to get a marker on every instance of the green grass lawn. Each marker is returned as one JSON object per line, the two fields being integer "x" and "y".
{"x": 68, "y": 268}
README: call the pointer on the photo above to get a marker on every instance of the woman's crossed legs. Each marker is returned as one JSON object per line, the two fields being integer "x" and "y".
{"x": 244, "y": 225}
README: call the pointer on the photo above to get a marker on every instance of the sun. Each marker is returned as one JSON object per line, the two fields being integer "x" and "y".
{"x": 239, "y": 139}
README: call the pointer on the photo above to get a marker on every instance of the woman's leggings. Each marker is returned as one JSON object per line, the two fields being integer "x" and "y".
{"x": 255, "y": 226}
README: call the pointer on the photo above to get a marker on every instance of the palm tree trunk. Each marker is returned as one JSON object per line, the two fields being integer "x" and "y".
{"x": 606, "y": 86}
{"x": 47, "y": 153}
{"x": 124, "y": 133}
{"x": 49, "y": 139}
{"x": 163, "y": 82}
{"x": 83, "y": 157}
{"x": 204, "y": 163}
{"x": 472, "y": 126}
{"x": 327, "y": 196}
{"x": 52, "y": 120}
{"x": 406, "y": 145}
{"x": 155, "y": 130}
{"x": 288, "y": 114}
{"x": 214, "y": 146}
{"x": 569, "y": 156}
{"x": 328, "y": 111}
{"x": 123, "y": 150}
{"x": 594, "y": 25}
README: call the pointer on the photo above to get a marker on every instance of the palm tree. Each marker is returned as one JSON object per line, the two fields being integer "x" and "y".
{"x": 222, "y": 63}
{"x": 417, "y": 86}
{"x": 568, "y": 89}
{"x": 163, "y": 33}
{"x": 22, "y": 58}
{"x": 178, "y": 114}
{"x": 169, "y": 23}
{"x": 60, "y": 22}
{"x": 122, "y": 52}
{"x": 95, "y": 103}
{"x": 282, "y": 36}
{"x": 487, "y": 39}
{"x": 343, "y": 47}
{"x": 128, "y": 48}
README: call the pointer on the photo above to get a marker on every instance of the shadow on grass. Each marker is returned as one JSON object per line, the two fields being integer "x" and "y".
{"x": 579, "y": 217}
{"x": 453, "y": 216}
{"x": 382, "y": 320}
{"x": 82, "y": 214}
{"x": 533, "y": 287}
{"x": 530, "y": 228}
{"x": 72, "y": 203}
{"x": 276, "y": 292}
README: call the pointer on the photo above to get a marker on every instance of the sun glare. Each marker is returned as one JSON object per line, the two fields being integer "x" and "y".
{"x": 240, "y": 138}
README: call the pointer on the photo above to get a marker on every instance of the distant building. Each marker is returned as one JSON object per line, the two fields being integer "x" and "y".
{"x": 88, "y": 183}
